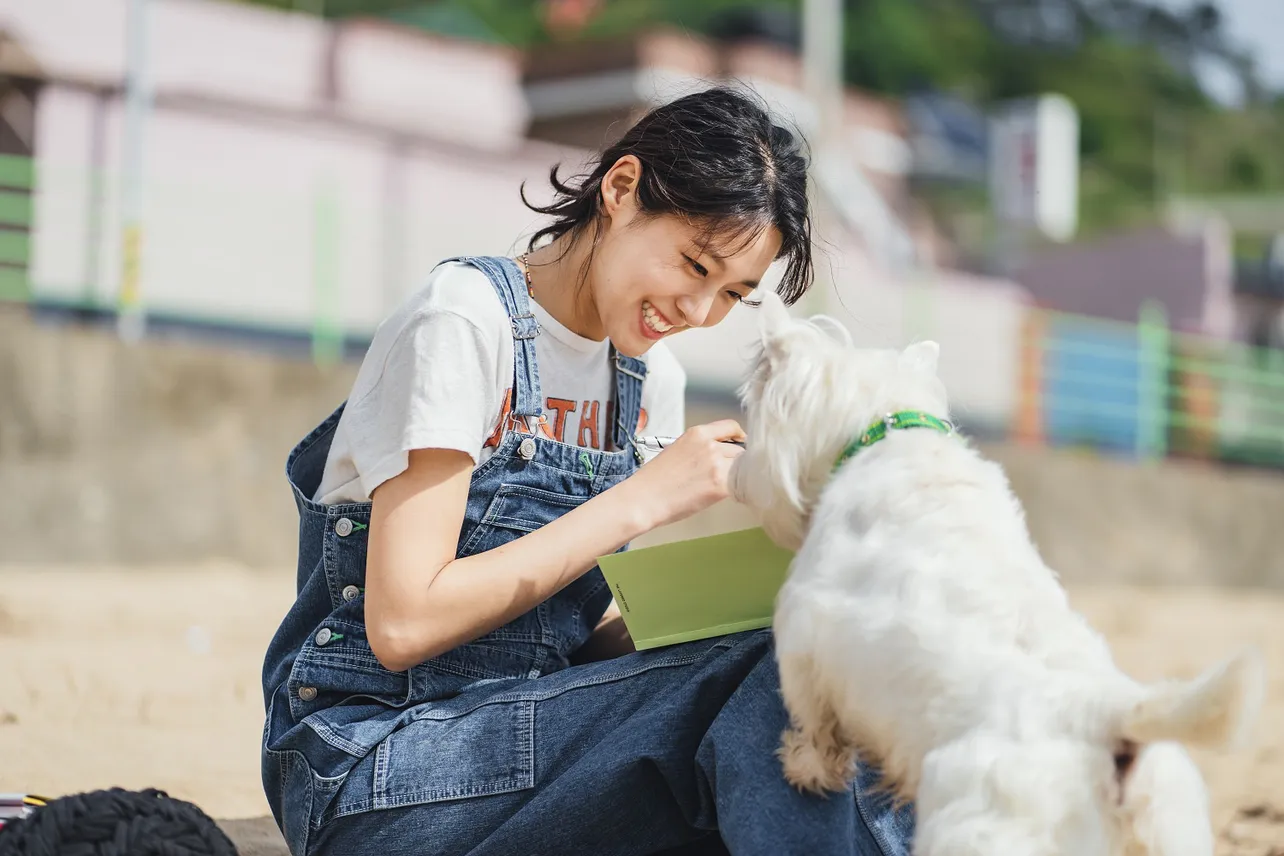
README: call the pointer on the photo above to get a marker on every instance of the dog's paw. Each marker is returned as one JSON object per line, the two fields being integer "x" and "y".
{"x": 815, "y": 768}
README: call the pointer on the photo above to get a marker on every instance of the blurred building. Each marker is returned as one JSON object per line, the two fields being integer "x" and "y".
{"x": 883, "y": 266}
{"x": 586, "y": 94}
{"x": 302, "y": 175}
{"x": 1259, "y": 291}
{"x": 1188, "y": 271}
{"x": 294, "y": 167}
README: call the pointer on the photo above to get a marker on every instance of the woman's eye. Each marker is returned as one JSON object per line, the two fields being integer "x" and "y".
{"x": 735, "y": 295}
{"x": 696, "y": 266}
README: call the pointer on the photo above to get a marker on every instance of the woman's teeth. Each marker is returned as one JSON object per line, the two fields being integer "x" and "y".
{"x": 653, "y": 319}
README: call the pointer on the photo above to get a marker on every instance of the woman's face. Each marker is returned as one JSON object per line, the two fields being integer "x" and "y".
{"x": 650, "y": 278}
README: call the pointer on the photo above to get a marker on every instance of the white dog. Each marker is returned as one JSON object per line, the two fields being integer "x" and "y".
{"x": 919, "y": 627}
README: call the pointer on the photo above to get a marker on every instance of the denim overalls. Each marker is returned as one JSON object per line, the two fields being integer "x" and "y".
{"x": 501, "y": 747}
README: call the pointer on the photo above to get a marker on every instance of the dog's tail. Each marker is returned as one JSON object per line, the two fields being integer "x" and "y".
{"x": 1216, "y": 709}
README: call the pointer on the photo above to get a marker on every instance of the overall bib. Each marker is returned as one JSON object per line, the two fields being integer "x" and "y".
{"x": 501, "y": 747}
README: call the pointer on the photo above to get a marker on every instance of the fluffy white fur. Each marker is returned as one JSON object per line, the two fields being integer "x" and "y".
{"x": 919, "y": 627}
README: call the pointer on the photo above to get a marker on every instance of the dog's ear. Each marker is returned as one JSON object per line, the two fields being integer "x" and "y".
{"x": 922, "y": 356}
{"x": 773, "y": 316}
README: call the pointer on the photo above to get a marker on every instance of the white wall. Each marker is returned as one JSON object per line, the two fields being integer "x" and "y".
{"x": 77, "y": 39}
{"x": 447, "y": 89}
{"x": 60, "y": 205}
{"x": 236, "y": 209}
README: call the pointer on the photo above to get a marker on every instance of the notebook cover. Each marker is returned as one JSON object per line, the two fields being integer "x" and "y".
{"x": 697, "y": 589}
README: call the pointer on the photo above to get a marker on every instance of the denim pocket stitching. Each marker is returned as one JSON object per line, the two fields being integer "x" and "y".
{"x": 577, "y": 606}
{"x": 875, "y": 830}
{"x": 378, "y": 777}
{"x": 350, "y": 659}
{"x": 322, "y": 730}
{"x": 328, "y": 785}
{"x": 284, "y": 758}
{"x": 543, "y": 695}
{"x": 495, "y": 518}
{"x": 459, "y": 670}
{"x": 523, "y": 738}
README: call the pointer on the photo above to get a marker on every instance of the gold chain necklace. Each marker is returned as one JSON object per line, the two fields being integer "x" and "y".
{"x": 526, "y": 268}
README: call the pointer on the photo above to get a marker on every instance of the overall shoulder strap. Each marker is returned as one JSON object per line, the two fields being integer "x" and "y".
{"x": 510, "y": 285}
{"x": 630, "y": 373}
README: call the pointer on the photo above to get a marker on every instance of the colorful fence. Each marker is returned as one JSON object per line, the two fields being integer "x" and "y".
{"x": 1146, "y": 391}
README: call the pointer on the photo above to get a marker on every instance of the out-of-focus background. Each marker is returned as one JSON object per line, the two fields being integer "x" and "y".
{"x": 206, "y": 207}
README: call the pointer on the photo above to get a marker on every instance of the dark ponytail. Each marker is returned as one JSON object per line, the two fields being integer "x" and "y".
{"x": 715, "y": 157}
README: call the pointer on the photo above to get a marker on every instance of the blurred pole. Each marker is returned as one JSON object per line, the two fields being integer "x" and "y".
{"x": 1152, "y": 365}
{"x": 1168, "y": 156}
{"x": 1028, "y": 426}
{"x": 823, "y": 68}
{"x": 1160, "y": 189}
{"x": 822, "y": 49}
{"x": 138, "y": 98}
{"x": 92, "y": 298}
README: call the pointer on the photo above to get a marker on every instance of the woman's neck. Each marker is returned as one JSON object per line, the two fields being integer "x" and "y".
{"x": 558, "y": 276}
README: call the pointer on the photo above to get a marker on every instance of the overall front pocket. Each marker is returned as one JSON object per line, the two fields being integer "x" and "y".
{"x": 446, "y": 753}
{"x": 513, "y": 511}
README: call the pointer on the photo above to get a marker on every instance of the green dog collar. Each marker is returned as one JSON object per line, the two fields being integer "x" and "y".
{"x": 893, "y": 422}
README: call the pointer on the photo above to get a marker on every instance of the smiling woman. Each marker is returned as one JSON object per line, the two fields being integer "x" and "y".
{"x": 453, "y": 676}
{"x": 700, "y": 189}
{"x": 667, "y": 273}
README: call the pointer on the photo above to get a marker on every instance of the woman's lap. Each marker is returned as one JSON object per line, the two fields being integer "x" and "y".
{"x": 636, "y": 755}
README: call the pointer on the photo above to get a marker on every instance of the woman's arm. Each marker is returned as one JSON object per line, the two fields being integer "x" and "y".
{"x": 421, "y": 601}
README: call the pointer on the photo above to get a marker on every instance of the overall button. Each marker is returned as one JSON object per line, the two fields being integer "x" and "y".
{"x": 323, "y": 636}
{"x": 350, "y": 592}
{"x": 343, "y": 527}
{"x": 307, "y": 693}
{"x": 527, "y": 449}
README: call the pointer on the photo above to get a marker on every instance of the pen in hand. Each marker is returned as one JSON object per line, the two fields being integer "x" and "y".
{"x": 654, "y": 445}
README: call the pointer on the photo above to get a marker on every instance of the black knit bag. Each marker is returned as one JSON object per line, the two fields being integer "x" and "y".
{"x": 115, "y": 822}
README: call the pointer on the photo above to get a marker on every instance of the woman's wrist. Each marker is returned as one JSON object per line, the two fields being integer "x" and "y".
{"x": 641, "y": 505}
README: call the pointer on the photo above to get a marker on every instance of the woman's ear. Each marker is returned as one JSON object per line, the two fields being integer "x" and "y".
{"x": 620, "y": 188}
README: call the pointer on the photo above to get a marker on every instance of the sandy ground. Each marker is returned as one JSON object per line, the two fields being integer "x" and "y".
{"x": 150, "y": 678}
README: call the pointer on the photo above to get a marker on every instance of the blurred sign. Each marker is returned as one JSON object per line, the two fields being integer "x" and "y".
{"x": 948, "y": 137}
{"x": 1034, "y": 165}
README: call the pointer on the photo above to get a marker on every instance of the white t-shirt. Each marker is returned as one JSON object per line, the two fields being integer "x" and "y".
{"x": 439, "y": 372}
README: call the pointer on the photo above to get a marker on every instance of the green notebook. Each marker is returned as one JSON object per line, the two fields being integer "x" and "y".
{"x": 696, "y": 589}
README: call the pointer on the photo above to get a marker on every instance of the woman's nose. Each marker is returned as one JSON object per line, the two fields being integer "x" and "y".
{"x": 695, "y": 309}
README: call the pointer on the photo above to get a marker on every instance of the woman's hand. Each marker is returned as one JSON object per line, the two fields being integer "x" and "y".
{"x": 690, "y": 475}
